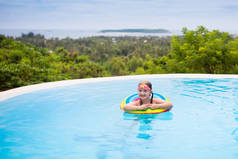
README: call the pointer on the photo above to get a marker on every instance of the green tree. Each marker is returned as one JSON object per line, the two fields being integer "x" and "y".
{"x": 134, "y": 63}
{"x": 201, "y": 51}
{"x": 116, "y": 66}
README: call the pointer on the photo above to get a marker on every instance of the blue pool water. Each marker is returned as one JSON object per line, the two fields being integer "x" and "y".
{"x": 84, "y": 122}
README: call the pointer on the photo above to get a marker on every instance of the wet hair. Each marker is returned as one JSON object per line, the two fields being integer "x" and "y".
{"x": 145, "y": 82}
{"x": 149, "y": 84}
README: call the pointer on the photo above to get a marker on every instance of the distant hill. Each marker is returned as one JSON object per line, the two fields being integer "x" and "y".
{"x": 136, "y": 30}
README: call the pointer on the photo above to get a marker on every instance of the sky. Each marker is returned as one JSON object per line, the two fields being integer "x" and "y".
{"x": 119, "y": 14}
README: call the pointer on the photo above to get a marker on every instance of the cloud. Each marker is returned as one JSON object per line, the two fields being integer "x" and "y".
{"x": 116, "y": 14}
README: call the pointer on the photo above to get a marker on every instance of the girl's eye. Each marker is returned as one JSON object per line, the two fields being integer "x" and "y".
{"x": 142, "y": 90}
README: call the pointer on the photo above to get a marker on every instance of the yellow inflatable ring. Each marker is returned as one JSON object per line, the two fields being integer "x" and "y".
{"x": 135, "y": 97}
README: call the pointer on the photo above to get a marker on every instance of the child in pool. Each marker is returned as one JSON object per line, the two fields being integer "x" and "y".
{"x": 146, "y": 99}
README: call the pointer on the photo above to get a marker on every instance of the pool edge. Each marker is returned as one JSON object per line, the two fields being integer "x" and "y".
{"x": 31, "y": 88}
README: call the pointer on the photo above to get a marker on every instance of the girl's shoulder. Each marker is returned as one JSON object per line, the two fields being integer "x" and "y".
{"x": 157, "y": 101}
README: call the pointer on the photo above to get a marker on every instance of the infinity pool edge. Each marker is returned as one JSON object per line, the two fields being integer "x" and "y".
{"x": 36, "y": 87}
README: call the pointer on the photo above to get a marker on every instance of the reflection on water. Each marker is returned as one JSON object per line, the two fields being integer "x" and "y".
{"x": 219, "y": 93}
{"x": 207, "y": 89}
{"x": 145, "y": 122}
{"x": 144, "y": 128}
{"x": 235, "y": 134}
{"x": 162, "y": 116}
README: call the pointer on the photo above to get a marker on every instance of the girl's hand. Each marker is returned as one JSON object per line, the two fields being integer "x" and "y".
{"x": 143, "y": 107}
{"x": 152, "y": 107}
{"x": 165, "y": 105}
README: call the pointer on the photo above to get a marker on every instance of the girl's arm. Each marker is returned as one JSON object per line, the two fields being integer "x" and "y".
{"x": 161, "y": 104}
{"x": 133, "y": 106}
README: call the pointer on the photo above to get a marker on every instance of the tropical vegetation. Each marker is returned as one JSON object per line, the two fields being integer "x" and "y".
{"x": 32, "y": 59}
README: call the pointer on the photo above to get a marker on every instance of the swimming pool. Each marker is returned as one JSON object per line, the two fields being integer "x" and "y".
{"x": 85, "y": 121}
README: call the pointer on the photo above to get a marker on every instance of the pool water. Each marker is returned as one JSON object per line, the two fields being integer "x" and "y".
{"x": 84, "y": 121}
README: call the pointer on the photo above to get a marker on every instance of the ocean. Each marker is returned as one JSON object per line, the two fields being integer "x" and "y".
{"x": 74, "y": 34}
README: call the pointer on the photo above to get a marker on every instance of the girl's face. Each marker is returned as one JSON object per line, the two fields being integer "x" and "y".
{"x": 144, "y": 91}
